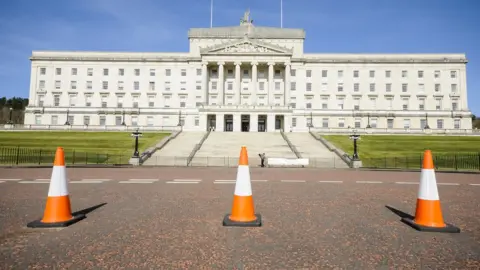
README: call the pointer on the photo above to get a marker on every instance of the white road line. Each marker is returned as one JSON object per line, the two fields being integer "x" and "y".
{"x": 86, "y": 182}
{"x": 33, "y": 182}
{"x": 259, "y": 180}
{"x": 226, "y": 180}
{"x": 11, "y": 180}
{"x": 293, "y": 181}
{"x": 2, "y": 182}
{"x": 41, "y": 179}
{"x": 152, "y": 180}
{"x": 135, "y": 182}
{"x": 369, "y": 182}
{"x": 330, "y": 181}
{"x": 182, "y": 182}
{"x": 187, "y": 180}
{"x": 93, "y": 179}
{"x": 448, "y": 184}
{"x": 474, "y": 184}
{"x": 407, "y": 183}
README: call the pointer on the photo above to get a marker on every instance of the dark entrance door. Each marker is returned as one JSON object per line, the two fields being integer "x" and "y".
{"x": 212, "y": 121}
{"x": 262, "y": 123}
{"x": 245, "y": 123}
{"x": 228, "y": 122}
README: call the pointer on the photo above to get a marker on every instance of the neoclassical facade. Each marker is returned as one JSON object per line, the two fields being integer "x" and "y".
{"x": 252, "y": 79}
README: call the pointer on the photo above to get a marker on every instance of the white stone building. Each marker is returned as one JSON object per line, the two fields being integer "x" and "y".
{"x": 248, "y": 78}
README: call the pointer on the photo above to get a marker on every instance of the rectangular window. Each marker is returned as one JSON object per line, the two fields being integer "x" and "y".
{"x": 309, "y": 87}
{"x": 406, "y": 123}
{"x": 294, "y": 121}
{"x": 340, "y": 74}
{"x": 388, "y": 74}
{"x": 389, "y": 123}
{"x": 54, "y": 120}
{"x": 372, "y": 73}
{"x": 58, "y": 71}
{"x": 388, "y": 87}
{"x": 120, "y": 85}
{"x": 456, "y": 124}
{"x": 118, "y": 120}
{"x": 102, "y": 120}
{"x": 420, "y": 74}
{"x": 74, "y": 71}
{"x": 373, "y": 122}
{"x": 340, "y": 87}
{"x": 440, "y": 123}
{"x": 152, "y": 72}
{"x": 404, "y": 87}
{"x": 341, "y": 122}
{"x": 324, "y": 73}
{"x": 151, "y": 101}
{"x": 134, "y": 120}
{"x": 309, "y": 73}
{"x": 436, "y": 74}
{"x": 136, "y": 72}
{"x": 121, "y": 72}
{"x": 355, "y": 73}
{"x": 86, "y": 120}
{"x": 277, "y": 86}
{"x": 56, "y": 100}
{"x": 89, "y": 85}
{"x": 356, "y": 87}
{"x": 151, "y": 86}
{"x": 358, "y": 123}
{"x": 183, "y": 72}
{"x": 38, "y": 119}
{"x": 293, "y": 86}
{"x": 105, "y": 72}
{"x": 104, "y": 85}
{"x": 325, "y": 122}
{"x": 90, "y": 72}
{"x": 136, "y": 85}
{"x": 168, "y": 72}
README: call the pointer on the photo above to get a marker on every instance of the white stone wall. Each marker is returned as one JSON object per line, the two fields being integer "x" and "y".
{"x": 170, "y": 84}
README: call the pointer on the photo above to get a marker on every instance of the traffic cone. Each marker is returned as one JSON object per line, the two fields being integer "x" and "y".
{"x": 243, "y": 210}
{"x": 428, "y": 214}
{"x": 57, "y": 209}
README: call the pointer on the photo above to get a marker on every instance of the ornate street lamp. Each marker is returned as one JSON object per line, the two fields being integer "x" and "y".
{"x": 67, "y": 123}
{"x": 123, "y": 118}
{"x": 10, "y": 116}
{"x": 368, "y": 119}
{"x": 355, "y": 137}
{"x": 136, "y": 134}
{"x": 426, "y": 122}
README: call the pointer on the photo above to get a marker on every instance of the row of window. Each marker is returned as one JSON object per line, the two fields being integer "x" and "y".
{"x": 340, "y": 87}
{"x": 120, "y": 120}
{"x": 325, "y": 103}
{"x": 373, "y": 123}
{"x": 309, "y": 73}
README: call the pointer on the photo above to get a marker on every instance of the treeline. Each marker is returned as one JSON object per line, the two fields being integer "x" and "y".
{"x": 17, "y": 104}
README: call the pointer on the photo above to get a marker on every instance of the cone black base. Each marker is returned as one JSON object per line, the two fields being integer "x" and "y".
{"x": 449, "y": 228}
{"x": 230, "y": 223}
{"x": 39, "y": 224}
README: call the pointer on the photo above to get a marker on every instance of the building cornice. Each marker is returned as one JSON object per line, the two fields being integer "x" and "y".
{"x": 383, "y": 59}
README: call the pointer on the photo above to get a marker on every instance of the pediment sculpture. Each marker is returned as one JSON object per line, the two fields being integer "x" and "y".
{"x": 246, "y": 47}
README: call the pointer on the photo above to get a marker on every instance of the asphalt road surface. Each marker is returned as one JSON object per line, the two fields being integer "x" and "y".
{"x": 171, "y": 218}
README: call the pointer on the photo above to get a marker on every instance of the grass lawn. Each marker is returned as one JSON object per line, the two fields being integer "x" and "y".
{"x": 397, "y": 149}
{"x": 78, "y": 146}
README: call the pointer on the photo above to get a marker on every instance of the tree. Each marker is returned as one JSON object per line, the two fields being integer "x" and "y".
{"x": 475, "y": 122}
{"x": 17, "y": 104}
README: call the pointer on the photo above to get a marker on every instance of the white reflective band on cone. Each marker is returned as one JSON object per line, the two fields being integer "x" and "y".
{"x": 243, "y": 186}
{"x": 58, "y": 183}
{"x": 428, "y": 186}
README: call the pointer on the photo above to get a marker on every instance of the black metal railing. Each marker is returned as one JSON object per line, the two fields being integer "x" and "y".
{"x": 455, "y": 162}
{"x": 31, "y": 156}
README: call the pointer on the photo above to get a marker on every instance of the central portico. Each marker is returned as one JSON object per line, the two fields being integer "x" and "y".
{"x": 246, "y": 79}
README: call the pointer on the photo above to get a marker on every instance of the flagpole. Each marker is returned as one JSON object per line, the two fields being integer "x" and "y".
{"x": 281, "y": 13}
{"x": 211, "y": 13}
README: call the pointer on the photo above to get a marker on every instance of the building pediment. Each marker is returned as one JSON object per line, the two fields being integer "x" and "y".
{"x": 246, "y": 46}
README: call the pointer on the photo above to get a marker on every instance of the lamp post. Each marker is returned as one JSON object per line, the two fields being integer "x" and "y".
{"x": 123, "y": 118}
{"x": 368, "y": 119}
{"x": 310, "y": 124}
{"x": 355, "y": 137}
{"x": 180, "y": 119}
{"x": 67, "y": 123}
{"x": 426, "y": 122}
{"x": 136, "y": 134}
{"x": 10, "y": 116}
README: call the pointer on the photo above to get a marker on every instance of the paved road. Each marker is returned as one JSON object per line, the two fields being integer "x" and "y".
{"x": 309, "y": 223}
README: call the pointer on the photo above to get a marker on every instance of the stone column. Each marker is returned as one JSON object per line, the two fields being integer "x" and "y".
{"x": 205, "y": 82}
{"x": 286, "y": 94}
{"x": 221, "y": 83}
{"x": 271, "y": 84}
{"x": 219, "y": 121}
{"x": 238, "y": 83}
{"x": 237, "y": 122}
{"x": 253, "y": 122}
{"x": 254, "y": 82}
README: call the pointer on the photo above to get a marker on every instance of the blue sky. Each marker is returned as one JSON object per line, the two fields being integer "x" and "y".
{"x": 348, "y": 26}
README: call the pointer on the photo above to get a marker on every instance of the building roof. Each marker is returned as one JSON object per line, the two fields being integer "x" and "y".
{"x": 247, "y": 28}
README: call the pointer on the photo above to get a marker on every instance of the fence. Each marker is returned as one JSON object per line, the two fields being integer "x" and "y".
{"x": 15, "y": 156}
{"x": 29, "y": 156}
{"x": 456, "y": 162}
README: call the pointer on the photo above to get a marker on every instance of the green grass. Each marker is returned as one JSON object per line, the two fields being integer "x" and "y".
{"x": 80, "y": 147}
{"x": 399, "y": 150}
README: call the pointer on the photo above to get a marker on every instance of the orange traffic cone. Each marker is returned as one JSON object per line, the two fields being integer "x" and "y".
{"x": 428, "y": 215}
{"x": 243, "y": 210}
{"x": 57, "y": 210}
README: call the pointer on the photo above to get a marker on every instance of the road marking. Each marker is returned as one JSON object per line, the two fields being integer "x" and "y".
{"x": 448, "y": 184}
{"x": 258, "y": 180}
{"x": 41, "y": 179}
{"x": 407, "y": 183}
{"x": 182, "y": 182}
{"x": 10, "y": 180}
{"x": 2, "y": 182}
{"x": 330, "y": 181}
{"x": 144, "y": 180}
{"x": 187, "y": 180}
{"x": 369, "y": 182}
{"x": 96, "y": 179}
{"x": 474, "y": 184}
{"x": 293, "y": 181}
{"x": 135, "y": 182}
{"x": 86, "y": 182}
{"x": 33, "y": 182}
